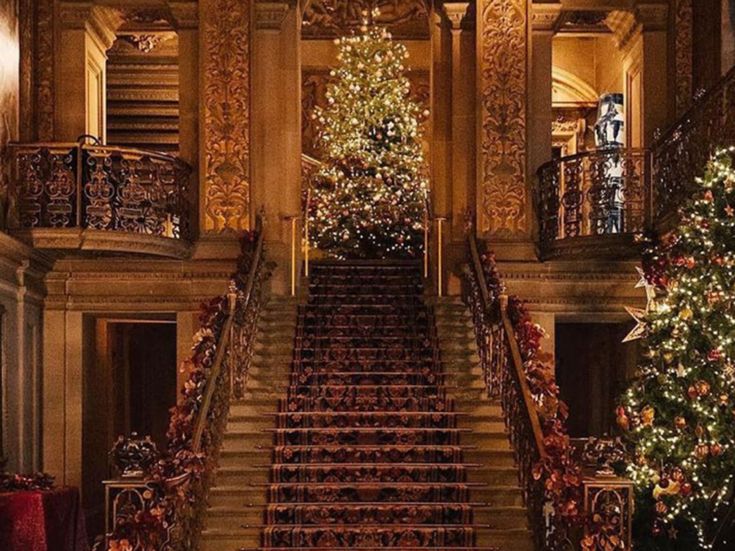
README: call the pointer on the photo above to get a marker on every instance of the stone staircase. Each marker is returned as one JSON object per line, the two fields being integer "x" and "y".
{"x": 502, "y": 510}
{"x": 238, "y": 497}
{"x": 253, "y": 472}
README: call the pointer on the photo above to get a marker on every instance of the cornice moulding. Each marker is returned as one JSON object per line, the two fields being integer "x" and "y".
{"x": 545, "y": 17}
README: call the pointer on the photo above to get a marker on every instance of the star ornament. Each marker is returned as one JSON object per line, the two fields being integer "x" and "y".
{"x": 641, "y": 327}
{"x": 644, "y": 284}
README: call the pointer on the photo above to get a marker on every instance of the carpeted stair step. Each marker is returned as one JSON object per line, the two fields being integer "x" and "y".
{"x": 361, "y": 536}
{"x": 365, "y": 472}
{"x": 372, "y": 454}
{"x": 366, "y": 436}
{"x": 415, "y": 513}
{"x": 328, "y": 419}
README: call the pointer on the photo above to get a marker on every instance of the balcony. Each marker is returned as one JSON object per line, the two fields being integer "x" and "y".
{"x": 76, "y": 196}
{"x": 593, "y": 204}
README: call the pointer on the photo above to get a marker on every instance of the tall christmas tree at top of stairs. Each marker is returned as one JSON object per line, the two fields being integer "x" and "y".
{"x": 369, "y": 197}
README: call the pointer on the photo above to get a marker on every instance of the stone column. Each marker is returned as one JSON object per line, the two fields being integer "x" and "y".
{"x": 544, "y": 20}
{"x": 441, "y": 117}
{"x": 462, "y": 142}
{"x": 642, "y": 37}
{"x": 186, "y": 17}
{"x": 503, "y": 193}
{"x": 655, "y": 81}
{"x": 277, "y": 128}
{"x": 87, "y": 32}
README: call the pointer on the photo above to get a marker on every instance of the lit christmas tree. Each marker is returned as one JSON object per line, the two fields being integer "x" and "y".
{"x": 680, "y": 412}
{"x": 369, "y": 197}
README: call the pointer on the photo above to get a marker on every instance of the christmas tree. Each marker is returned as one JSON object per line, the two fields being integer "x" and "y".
{"x": 680, "y": 411}
{"x": 369, "y": 197}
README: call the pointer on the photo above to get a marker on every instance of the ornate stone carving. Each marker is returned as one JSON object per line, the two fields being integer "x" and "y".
{"x": 270, "y": 15}
{"x": 503, "y": 73}
{"x": 331, "y": 18}
{"x": 683, "y": 57}
{"x": 44, "y": 77}
{"x": 147, "y": 42}
{"x": 455, "y": 12}
{"x": 226, "y": 42}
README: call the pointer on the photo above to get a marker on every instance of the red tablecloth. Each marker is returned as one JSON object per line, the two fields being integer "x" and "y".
{"x": 42, "y": 521}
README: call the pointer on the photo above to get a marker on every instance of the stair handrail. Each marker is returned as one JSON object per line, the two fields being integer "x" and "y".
{"x": 512, "y": 341}
{"x": 515, "y": 355}
{"x": 498, "y": 343}
{"x": 225, "y": 339}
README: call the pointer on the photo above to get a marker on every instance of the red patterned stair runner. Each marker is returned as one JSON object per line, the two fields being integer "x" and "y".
{"x": 367, "y": 449}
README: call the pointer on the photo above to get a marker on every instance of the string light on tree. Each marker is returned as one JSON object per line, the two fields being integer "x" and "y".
{"x": 370, "y": 194}
{"x": 680, "y": 412}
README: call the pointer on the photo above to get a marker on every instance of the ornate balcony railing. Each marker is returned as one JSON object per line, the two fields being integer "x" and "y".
{"x": 585, "y": 197}
{"x": 58, "y": 186}
{"x": 681, "y": 154}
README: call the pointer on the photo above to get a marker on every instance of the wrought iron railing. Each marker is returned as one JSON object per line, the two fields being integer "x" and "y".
{"x": 505, "y": 379}
{"x": 595, "y": 193}
{"x": 182, "y": 479}
{"x": 89, "y": 186}
{"x": 681, "y": 154}
{"x": 566, "y": 506}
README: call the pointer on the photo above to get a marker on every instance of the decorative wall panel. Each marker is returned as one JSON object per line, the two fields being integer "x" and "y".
{"x": 225, "y": 33}
{"x": 332, "y": 18}
{"x": 44, "y": 77}
{"x": 503, "y": 74}
{"x": 684, "y": 54}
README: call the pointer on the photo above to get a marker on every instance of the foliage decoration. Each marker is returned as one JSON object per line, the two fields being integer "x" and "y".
{"x": 560, "y": 473}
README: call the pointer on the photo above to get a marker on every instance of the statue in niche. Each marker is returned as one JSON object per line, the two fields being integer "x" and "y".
{"x": 609, "y": 196}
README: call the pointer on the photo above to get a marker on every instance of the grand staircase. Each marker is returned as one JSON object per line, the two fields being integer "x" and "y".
{"x": 366, "y": 425}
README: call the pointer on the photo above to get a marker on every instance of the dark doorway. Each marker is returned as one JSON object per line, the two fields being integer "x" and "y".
{"x": 592, "y": 367}
{"x": 129, "y": 386}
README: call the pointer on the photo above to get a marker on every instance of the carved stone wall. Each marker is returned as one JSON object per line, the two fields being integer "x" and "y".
{"x": 9, "y": 85}
{"x": 44, "y": 73}
{"x": 683, "y": 54}
{"x": 332, "y": 18}
{"x": 225, "y": 32}
{"x": 502, "y": 50}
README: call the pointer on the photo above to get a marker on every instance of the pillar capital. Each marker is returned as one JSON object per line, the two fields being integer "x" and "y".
{"x": 185, "y": 14}
{"x": 270, "y": 15}
{"x": 652, "y": 16}
{"x": 100, "y": 22}
{"x": 455, "y": 13}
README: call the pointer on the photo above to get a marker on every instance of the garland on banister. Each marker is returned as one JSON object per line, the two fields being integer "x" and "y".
{"x": 560, "y": 472}
{"x": 172, "y": 480}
